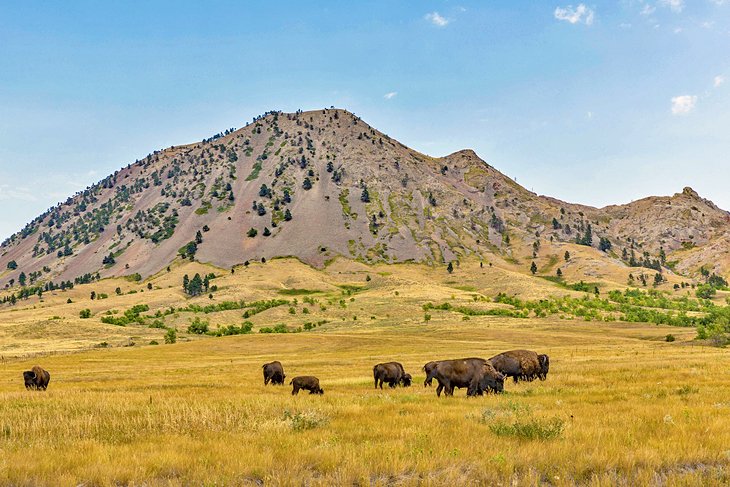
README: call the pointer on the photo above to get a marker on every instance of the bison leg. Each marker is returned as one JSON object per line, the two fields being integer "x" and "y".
{"x": 295, "y": 391}
{"x": 266, "y": 381}
{"x": 392, "y": 384}
{"x": 439, "y": 389}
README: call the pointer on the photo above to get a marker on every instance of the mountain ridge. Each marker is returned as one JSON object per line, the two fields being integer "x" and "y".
{"x": 323, "y": 184}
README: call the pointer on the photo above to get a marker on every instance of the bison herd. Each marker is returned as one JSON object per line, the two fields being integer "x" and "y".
{"x": 477, "y": 375}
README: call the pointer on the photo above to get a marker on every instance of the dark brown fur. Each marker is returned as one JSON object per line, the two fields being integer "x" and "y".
{"x": 36, "y": 378}
{"x": 392, "y": 373}
{"x": 476, "y": 374}
{"x": 306, "y": 382}
{"x": 518, "y": 364}
{"x": 274, "y": 373}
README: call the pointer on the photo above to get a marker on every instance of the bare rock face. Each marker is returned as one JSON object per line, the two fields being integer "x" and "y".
{"x": 321, "y": 184}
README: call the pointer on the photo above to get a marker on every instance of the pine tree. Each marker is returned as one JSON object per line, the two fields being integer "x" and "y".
{"x": 198, "y": 238}
{"x": 567, "y": 256}
{"x": 287, "y": 215}
{"x": 533, "y": 268}
{"x": 450, "y": 268}
{"x": 365, "y": 196}
{"x": 559, "y": 273}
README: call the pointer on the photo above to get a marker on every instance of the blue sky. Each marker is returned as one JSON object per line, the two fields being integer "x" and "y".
{"x": 597, "y": 103}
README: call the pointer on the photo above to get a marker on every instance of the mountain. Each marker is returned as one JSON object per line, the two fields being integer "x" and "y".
{"x": 322, "y": 184}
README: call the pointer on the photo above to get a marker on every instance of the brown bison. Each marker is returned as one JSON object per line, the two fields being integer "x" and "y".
{"x": 392, "y": 373}
{"x": 36, "y": 378}
{"x": 476, "y": 374}
{"x": 274, "y": 373}
{"x": 429, "y": 368}
{"x": 544, "y": 366}
{"x": 518, "y": 364}
{"x": 306, "y": 382}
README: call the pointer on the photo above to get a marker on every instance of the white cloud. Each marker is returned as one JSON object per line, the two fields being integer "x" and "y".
{"x": 719, "y": 2}
{"x": 624, "y": 25}
{"x": 436, "y": 19}
{"x": 390, "y": 95}
{"x": 579, "y": 14}
{"x": 647, "y": 10}
{"x": 675, "y": 6}
{"x": 682, "y": 105}
{"x": 8, "y": 192}
{"x": 718, "y": 81}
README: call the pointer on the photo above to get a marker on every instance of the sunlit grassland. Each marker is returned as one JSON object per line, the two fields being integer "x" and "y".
{"x": 630, "y": 408}
{"x": 621, "y": 405}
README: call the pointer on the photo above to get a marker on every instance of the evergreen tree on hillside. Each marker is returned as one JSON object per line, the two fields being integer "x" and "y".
{"x": 533, "y": 268}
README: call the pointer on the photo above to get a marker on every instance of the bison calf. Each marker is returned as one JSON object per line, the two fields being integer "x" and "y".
{"x": 274, "y": 373}
{"x": 36, "y": 378}
{"x": 306, "y": 382}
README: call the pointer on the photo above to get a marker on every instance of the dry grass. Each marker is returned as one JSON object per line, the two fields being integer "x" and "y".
{"x": 620, "y": 406}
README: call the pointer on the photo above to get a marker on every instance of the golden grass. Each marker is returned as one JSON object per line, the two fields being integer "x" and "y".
{"x": 626, "y": 407}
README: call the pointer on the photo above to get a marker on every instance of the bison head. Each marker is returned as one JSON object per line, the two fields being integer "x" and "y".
{"x": 406, "y": 380}
{"x": 319, "y": 391}
{"x": 491, "y": 380}
{"x": 29, "y": 378}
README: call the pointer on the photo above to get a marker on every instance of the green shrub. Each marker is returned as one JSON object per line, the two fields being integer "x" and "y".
{"x": 171, "y": 336}
{"x": 85, "y": 313}
{"x": 531, "y": 429}
{"x": 198, "y": 327}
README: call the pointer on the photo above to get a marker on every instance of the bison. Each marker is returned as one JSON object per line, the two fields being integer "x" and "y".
{"x": 274, "y": 373}
{"x": 36, "y": 378}
{"x": 518, "y": 364}
{"x": 429, "y": 368}
{"x": 476, "y": 374}
{"x": 392, "y": 373}
{"x": 306, "y": 382}
{"x": 544, "y": 366}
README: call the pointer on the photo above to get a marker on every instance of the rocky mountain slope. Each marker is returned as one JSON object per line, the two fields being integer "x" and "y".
{"x": 322, "y": 184}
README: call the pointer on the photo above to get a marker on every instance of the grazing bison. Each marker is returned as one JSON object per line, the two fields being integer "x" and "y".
{"x": 306, "y": 382}
{"x": 274, "y": 373}
{"x": 518, "y": 364}
{"x": 392, "y": 373}
{"x": 36, "y": 378}
{"x": 429, "y": 368}
{"x": 476, "y": 374}
{"x": 544, "y": 366}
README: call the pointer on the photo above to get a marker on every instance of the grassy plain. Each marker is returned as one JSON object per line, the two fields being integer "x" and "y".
{"x": 621, "y": 406}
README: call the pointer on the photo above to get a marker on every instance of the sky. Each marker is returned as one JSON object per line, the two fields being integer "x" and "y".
{"x": 597, "y": 103}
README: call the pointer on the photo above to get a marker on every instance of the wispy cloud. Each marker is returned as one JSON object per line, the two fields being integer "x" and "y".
{"x": 682, "y": 105}
{"x": 7, "y": 192}
{"x": 675, "y": 6}
{"x": 579, "y": 14}
{"x": 436, "y": 19}
{"x": 718, "y": 81}
{"x": 390, "y": 95}
{"x": 648, "y": 10}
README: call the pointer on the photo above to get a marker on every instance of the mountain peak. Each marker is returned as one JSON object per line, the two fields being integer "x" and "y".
{"x": 317, "y": 185}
